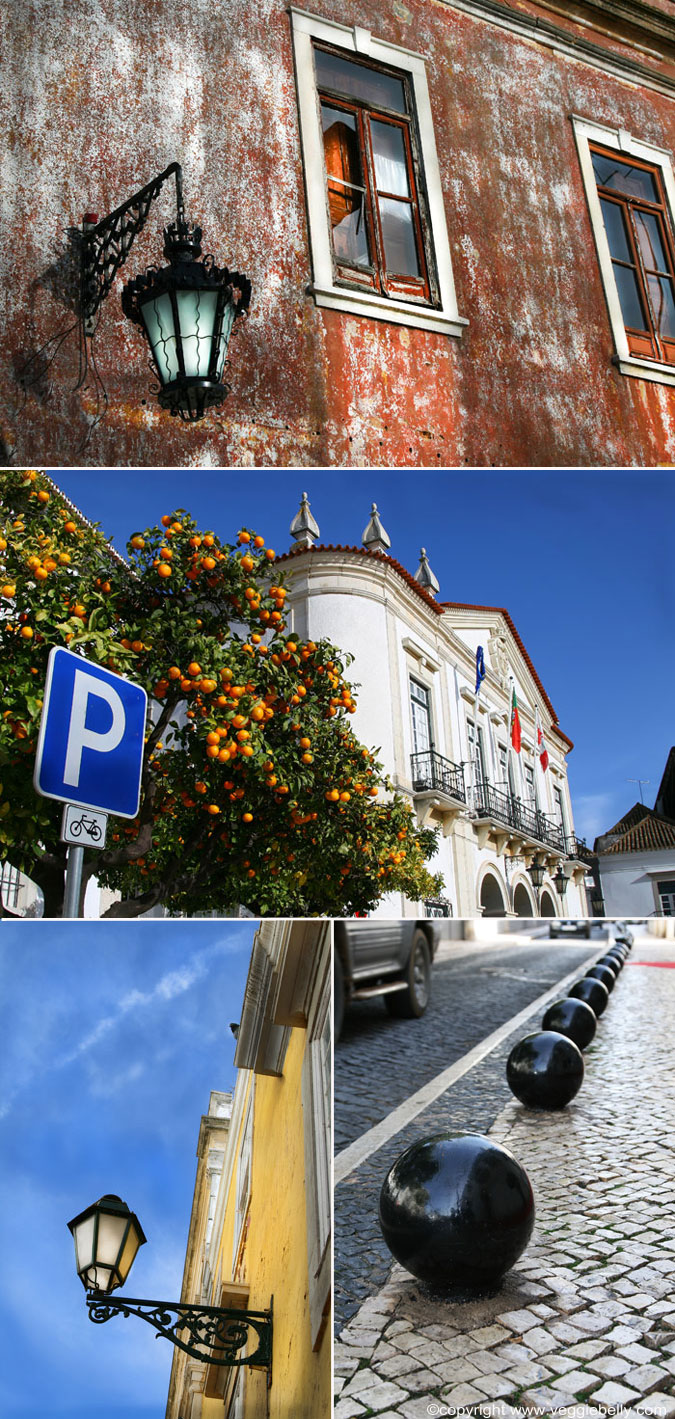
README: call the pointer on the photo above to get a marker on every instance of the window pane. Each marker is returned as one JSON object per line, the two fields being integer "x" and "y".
{"x": 623, "y": 177}
{"x": 421, "y": 719}
{"x": 357, "y": 81}
{"x": 661, "y": 296}
{"x": 389, "y": 155}
{"x": 629, "y": 296}
{"x": 615, "y": 228}
{"x": 345, "y": 183}
{"x": 651, "y": 244}
{"x": 398, "y": 233}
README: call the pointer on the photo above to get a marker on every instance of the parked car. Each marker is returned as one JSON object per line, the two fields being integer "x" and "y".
{"x": 388, "y": 958}
{"x": 571, "y": 928}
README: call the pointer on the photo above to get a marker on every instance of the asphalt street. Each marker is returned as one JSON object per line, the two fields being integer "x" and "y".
{"x": 381, "y": 1061}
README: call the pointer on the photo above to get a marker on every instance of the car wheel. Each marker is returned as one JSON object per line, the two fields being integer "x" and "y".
{"x": 411, "y": 1003}
{"x": 338, "y": 996}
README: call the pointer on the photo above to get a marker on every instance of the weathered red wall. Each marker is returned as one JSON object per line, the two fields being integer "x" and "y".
{"x": 95, "y": 111}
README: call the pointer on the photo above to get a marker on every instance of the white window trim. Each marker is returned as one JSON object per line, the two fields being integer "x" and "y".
{"x": 586, "y": 132}
{"x": 444, "y": 320}
{"x": 243, "y": 1175}
{"x": 316, "y": 1099}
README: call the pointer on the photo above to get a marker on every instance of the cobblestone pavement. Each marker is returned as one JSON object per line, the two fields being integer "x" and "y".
{"x": 473, "y": 992}
{"x": 585, "y": 1322}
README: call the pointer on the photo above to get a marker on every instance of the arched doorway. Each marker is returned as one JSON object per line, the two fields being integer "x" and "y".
{"x": 547, "y": 906}
{"x": 522, "y": 902}
{"x": 491, "y": 897}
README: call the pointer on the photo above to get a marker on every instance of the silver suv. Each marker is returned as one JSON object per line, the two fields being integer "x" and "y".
{"x": 388, "y": 958}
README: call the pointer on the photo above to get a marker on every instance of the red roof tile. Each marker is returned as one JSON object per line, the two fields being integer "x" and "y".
{"x": 650, "y": 834}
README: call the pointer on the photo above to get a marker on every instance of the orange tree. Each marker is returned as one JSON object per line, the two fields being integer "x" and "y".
{"x": 255, "y": 790}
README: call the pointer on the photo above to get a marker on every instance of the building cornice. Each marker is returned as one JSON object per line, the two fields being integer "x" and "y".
{"x": 438, "y": 609}
{"x": 552, "y": 36}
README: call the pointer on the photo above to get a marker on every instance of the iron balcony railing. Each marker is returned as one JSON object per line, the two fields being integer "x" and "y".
{"x": 578, "y": 848}
{"x": 431, "y": 771}
{"x": 490, "y": 802}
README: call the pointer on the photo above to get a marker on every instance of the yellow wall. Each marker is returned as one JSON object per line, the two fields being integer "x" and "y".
{"x": 275, "y": 1250}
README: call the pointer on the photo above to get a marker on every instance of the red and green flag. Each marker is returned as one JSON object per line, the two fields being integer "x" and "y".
{"x": 516, "y": 736}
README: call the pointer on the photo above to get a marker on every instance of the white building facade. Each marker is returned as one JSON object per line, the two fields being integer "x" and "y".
{"x": 506, "y": 844}
{"x": 636, "y": 860}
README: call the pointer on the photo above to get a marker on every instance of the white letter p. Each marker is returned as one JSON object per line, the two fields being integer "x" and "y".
{"x": 79, "y": 737}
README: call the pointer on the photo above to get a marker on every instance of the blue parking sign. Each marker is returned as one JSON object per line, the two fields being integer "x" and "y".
{"x": 92, "y": 734}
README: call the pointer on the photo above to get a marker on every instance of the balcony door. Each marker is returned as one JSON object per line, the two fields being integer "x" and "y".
{"x": 420, "y": 710}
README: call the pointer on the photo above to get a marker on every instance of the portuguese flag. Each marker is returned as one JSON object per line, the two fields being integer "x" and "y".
{"x": 516, "y": 737}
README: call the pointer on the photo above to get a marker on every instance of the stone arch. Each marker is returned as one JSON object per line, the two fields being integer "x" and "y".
{"x": 492, "y": 896}
{"x": 547, "y": 906}
{"x": 523, "y": 904}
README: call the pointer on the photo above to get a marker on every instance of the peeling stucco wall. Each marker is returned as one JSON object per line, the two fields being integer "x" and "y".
{"x": 98, "y": 97}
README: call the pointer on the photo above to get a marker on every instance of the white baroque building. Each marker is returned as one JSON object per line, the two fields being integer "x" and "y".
{"x": 507, "y": 829}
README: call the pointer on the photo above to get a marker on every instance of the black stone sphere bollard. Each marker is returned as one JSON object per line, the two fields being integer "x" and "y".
{"x": 593, "y": 992}
{"x": 614, "y": 964}
{"x": 604, "y": 974}
{"x": 457, "y": 1210}
{"x": 572, "y": 1018}
{"x": 545, "y": 1070}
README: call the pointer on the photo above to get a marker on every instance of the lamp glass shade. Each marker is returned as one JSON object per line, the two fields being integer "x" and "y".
{"x": 157, "y": 317}
{"x": 107, "y": 1237}
{"x": 83, "y": 1236}
{"x": 196, "y": 319}
{"x": 227, "y": 322}
{"x": 537, "y": 874}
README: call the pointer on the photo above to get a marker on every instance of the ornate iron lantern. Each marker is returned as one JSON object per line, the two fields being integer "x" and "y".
{"x": 560, "y": 881}
{"x": 186, "y": 310}
{"x": 107, "y": 1237}
{"x": 537, "y": 874}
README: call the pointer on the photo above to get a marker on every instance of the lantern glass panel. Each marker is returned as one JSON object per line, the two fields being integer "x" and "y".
{"x": 84, "y": 1243}
{"x": 196, "y": 319}
{"x": 131, "y": 1246}
{"x": 111, "y": 1232}
{"x": 229, "y": 314}
{"x": 99, "y": 1278}
{"x": 157, "y": 315}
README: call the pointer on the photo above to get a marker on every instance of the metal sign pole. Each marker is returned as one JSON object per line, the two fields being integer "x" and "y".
{"x": 71, "y": 899}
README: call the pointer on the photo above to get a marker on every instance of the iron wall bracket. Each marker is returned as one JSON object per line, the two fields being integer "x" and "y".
{"x": 215, "y": 1334}
{"x": 106, "y": 245}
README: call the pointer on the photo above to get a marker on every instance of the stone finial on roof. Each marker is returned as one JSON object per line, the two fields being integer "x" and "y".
{"x": 425, "y": 576}
{"x": 304, "y": 529}
{"x": 375, "y": 538}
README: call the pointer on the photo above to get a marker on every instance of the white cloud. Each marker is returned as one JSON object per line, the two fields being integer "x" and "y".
{"x": 174, "y": 983}
{"x": 169, "y": 986}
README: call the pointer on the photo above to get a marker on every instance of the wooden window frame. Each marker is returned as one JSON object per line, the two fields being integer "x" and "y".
{"x": 376, "y": 276}
{"x": 344, "y": 290}
{"x": 641, "y": 354}
{"x": 646, "y": 340}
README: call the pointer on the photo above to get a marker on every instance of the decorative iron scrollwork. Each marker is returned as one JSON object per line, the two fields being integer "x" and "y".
{"x": 106, "y": 246}
{"x": 215, "y": 1334}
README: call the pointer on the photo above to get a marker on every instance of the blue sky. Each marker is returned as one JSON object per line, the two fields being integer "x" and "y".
{"x": 583, "y": 560}
{"x": 113, "y": 1038}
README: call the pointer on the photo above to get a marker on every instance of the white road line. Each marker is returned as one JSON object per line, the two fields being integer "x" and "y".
{"x": 357, "y": 1152}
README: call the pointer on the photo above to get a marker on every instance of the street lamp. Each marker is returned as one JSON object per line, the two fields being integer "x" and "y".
{"x": 107, "y": 1236}
{"x": 560, "y": 881}
{"x": 537, "y": 873}
{"x": 186, "y": 310}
